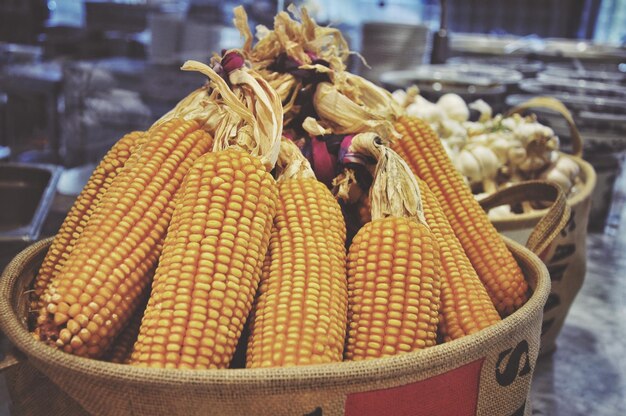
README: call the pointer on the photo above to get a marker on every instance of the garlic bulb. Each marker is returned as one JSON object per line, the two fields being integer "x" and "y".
{"x": 488, "y": 160}
{"x": 554, "y": 175}
{"x": 495, "y": 213}
{"x": 478, "y": 163}
{"x": 485, "y": 110}
{"x": 564, "y": 172}
{"x": 568, "y": 166}
{"x": 454, "y": 107}
{"x": 511, "y": 123}
{"x": 448, "y": 128}
{"x": 424, "y": 109}
{"x": 399, "y": 96}
{"x": 540, "y": 143}
{"x": 468, "y": 165}
{"x": 495, "y": 150}
{"x": 502, "y": 145}
{"x": 516, "y": 155}
{"x": 473, "y": 128}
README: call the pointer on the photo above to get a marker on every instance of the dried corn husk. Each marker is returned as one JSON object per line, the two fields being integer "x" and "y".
{"x": 395, "y": 191}
{"x": 313, "y": 127}
{"x": 198, "y": 105}
{"x": 249, "y": 109}
{"x": 291, "y": 162}
{"x": 344, "y": 116}
{"x": 303, "y": 40}
{"x": 285, "y": 85}
{"x": 367, "y": 94}
{"x": 346, "y": 188}
{"x": 346, "y": 103}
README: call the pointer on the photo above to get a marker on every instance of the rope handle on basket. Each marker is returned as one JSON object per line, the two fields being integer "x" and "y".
{"x": 553, "y": 104}
{"x": 551, "y": 224}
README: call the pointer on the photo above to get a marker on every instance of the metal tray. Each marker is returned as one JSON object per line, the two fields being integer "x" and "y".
{"x": 26, "y": 194}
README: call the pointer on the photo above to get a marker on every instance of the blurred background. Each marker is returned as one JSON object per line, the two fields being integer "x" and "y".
{"x": 76, "y": 75}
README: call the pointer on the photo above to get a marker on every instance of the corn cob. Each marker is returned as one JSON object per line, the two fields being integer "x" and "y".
{"x": 299, "y": 316}
{"x": 465, "y": 304}
{"x": 210, "y": 266}
{"x": 99, "y": 287}
{"x": 394, "y": 265}
{"x": 122, "y": 347}
{"x": 487, "y": 252}
{"x": 393, "y": 285}
{"x": 82, "y": 210}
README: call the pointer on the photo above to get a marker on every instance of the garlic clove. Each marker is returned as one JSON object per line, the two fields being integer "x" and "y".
{"x": 485, "y": 110}
{"x": 399, "y": 96}
{"x": 425, "y": 110}
{"x": 468, "y": 165}
{"x": 487, "y": 160}
{"x": 454, "y": 107}
{"x": 558, "y": 177}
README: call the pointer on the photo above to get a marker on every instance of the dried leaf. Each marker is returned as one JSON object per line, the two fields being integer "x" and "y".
{"x": 300, "y": 39}
{"x": 368, "y": 94}
{"x": 198, "y": 105}
{"x": 395, "y": 191}
{"x": 313, "y": 127}
{"x": 251, "y": 112}
{"x": 241, "y": 23}
{"x": 291, "y": 162}
{"x": 346, "y": 187}
{"x": 347, "y": 117}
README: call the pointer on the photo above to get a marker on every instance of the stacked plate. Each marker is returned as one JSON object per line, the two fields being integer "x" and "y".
{"x": 471, "y": 82}
{"x": 529, "y": 68}
{"x": 551, "y": 85}
{"x": 473, "y": 44}
{"x": 392, "y": 46}
{"x": 583, "y": 50}
{"x": 607, "y": 76}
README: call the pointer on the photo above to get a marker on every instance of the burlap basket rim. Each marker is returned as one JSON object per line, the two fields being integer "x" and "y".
{"x": 531, "y": 218}
{"x": 311, "y": 376}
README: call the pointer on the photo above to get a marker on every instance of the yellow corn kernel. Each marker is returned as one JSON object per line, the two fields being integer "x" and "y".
{"x": 215, "y": 289}
{"x": 81, "y": 211}
{"x": 302, "y": 299}
{"x": 122, "y": 347}
{"x": 113, "y": 254}
{"x": 422, "y": 150}
{"x": 376, "y": 328}
{"x": 465, "y": 304}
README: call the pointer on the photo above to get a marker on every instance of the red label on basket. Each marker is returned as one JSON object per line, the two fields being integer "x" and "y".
{"x": 453, "y": 393}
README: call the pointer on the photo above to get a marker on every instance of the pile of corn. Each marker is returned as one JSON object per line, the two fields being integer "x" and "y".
{"x": 212, "y": 235}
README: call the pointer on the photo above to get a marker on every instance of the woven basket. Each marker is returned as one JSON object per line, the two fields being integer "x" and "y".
{"x": 566, "y": 257}
{"x": 488, "y": 373}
